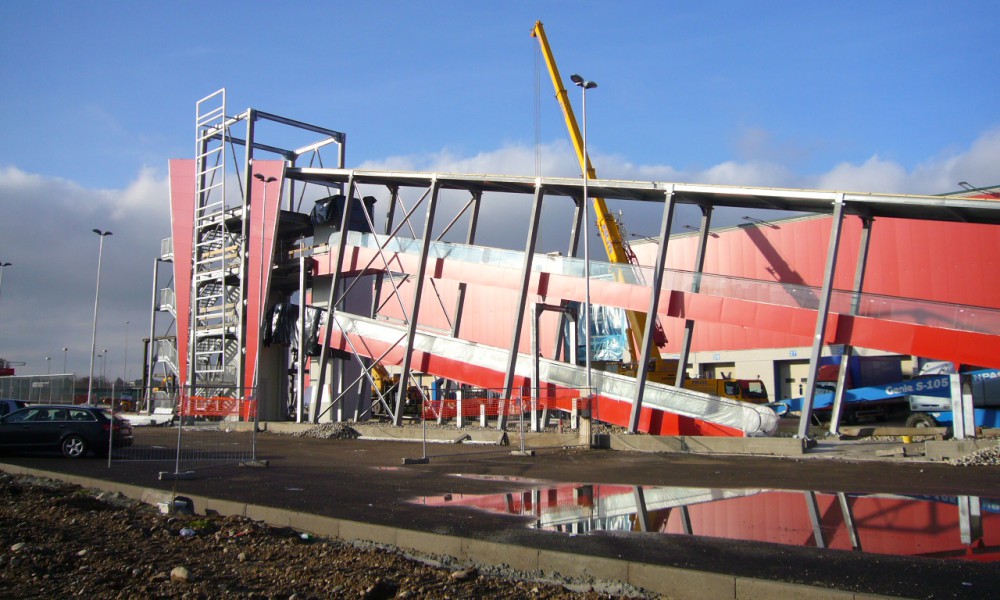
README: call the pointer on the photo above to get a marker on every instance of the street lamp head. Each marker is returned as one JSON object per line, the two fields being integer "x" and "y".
{"x": 580, "y": 81}
{"x": 5, "y": 264}
{"x": 265, "y": 179}
{"x": 101, "y": 233}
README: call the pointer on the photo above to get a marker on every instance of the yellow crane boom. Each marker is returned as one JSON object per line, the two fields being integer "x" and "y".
{"x": 614, "y": 243}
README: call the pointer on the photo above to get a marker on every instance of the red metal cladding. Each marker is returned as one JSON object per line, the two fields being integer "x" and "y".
{"x": 182, "y": 173}
{"x": 262, "y": 223}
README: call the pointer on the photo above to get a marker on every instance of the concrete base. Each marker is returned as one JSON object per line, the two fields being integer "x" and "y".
{"x": 522, "y": 452}
{"x": 259, "y": 464}
{"x": 709, "y": 445}
{"x": 948, "y": 449}
{"x": 416, "y": 461}
{"x": 168, "y": 476}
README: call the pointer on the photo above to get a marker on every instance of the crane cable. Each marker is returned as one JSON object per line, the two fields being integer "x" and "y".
{"x": 538, "y": 110}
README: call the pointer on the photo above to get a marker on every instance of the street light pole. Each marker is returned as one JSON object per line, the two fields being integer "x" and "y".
{"x": 65, "y": 350}
{"x": 48, "y": 365}
{"x": 125, "y": 366}
{"x": 2, "y": 265}
{"x": 97, "y": 297}
{"x": 585, "y": 85}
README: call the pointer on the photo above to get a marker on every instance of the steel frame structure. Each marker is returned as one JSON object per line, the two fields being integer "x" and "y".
{"x": 480, "y": 189}
{"x": 707, "y": 197}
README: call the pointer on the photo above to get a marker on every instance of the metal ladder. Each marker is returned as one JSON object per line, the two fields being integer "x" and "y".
{"x": 216, "y": 251}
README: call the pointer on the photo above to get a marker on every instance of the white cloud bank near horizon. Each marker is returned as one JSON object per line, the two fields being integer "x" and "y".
{"x": 47, "y": 295}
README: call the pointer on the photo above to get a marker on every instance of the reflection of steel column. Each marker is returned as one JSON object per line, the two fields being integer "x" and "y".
{"x": 970, "y": 519}
{"x": 813, "y": 509}
{"x": 641, "y": 514}
{"x": 852, "y": 529}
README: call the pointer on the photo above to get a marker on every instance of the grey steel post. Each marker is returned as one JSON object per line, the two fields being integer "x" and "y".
{"x": 859, "y": 281}
{"x": 699, "y": 266}
{"x": 822, "y": 315}
{"x": 241, "y": 314}
{"x": 300, "y": 366}
{"x": 470, "y": 239}
{"x": 522, "y": 300}
{"x": 154, "y": 307}
{"x": 411, "y": 330}
{"x": 963, "y": 415}
{"x": 345, "y": 219}
{"x": 574, "y": 245}
{"x": 656, "y": 285}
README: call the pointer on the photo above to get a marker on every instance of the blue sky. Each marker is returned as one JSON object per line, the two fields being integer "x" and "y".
{"x": 870, "y": 96}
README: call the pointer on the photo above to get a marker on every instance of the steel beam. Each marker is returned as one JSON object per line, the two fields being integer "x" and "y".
{"x": 699, "y": 266}
{"x": 822, "y": 315}
{"x": 411, "y": 330}
{"x": 859, "y": 281}
{"x": 470, "y": 239}
{"x": 522, "y": 301}
{"x": 345, "y": 220}
{"x": 656, "y": 286}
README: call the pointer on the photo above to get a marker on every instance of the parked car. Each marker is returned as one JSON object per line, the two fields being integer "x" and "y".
{"x": 74, "y": 430}
{"x": 9, "y": 406}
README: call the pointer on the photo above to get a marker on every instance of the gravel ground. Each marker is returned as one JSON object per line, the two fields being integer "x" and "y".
{"x": 61, "y": 541}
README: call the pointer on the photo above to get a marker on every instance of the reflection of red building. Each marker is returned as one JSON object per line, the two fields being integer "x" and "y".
{"x": 884, "y": 524}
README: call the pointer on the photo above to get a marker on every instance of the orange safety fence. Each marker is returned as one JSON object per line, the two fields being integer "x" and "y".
{"x": 217, "y": 406}
{"x": 474, "y": 407}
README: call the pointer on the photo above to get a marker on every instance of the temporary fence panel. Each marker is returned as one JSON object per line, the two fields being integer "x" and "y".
{"x": 202, "y": 430}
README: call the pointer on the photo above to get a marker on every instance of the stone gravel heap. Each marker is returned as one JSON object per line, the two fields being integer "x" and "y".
{"x": 329, "y": 431}
{"x": 983, "y": 457}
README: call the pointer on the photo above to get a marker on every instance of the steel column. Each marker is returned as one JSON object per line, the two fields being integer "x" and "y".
{"x": 642, "y": 365}
{"x": 317, "y": 401}
{"x": 574, "y": 246}
{"x": 411, "y": 330}
{"x": 245, "y": 265}
{"x": 470, "y": 239}
{"x": 522, "y": 301}
{"x": 699, "y": 266}
{"x": 154, "y": 306}
{"x": 300, "y": 359}
{"x": 822, "y": 314}
{"x": 859, "y": 281}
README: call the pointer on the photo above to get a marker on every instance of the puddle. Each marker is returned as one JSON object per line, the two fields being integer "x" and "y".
{"x": 939, "y": 526}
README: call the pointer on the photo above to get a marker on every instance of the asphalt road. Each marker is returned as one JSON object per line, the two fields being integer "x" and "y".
{"x": 366, "y": 481}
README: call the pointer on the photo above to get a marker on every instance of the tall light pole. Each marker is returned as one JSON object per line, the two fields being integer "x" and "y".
{"x": 260, "y": 304}
{"x": 65, "y": 350}
{"x": 48, "y": 365}
{"x": 2, "y": 265}
{"x": 125, "y": 367}
{"x": 97, "y": 297}
{"x": 585, "y": 85}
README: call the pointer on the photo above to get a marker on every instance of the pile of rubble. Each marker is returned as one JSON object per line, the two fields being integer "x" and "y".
{"x": 329, "y": 431}
{"x": 62, "y": 541}
{"x": 983, "y": 457}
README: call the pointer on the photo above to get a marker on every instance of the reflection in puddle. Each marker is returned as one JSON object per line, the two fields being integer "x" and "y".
{"x": 939, "y": 526}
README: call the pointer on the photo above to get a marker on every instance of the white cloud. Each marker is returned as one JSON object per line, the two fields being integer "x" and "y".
{"x": 48, "y": 292}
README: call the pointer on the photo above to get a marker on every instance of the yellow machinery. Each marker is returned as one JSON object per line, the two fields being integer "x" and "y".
{"x": 662, "y": 370}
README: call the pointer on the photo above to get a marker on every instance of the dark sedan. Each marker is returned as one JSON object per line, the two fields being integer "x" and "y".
{"x": 74, "y": 430}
